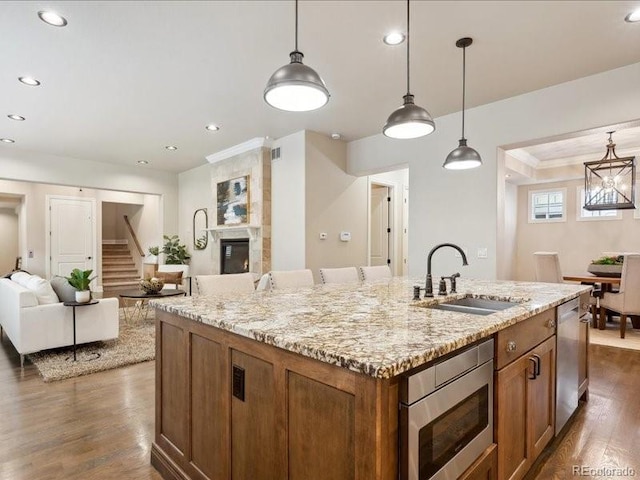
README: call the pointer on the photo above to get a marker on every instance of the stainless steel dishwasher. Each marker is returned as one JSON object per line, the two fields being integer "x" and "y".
{"x": 567, "y": 362}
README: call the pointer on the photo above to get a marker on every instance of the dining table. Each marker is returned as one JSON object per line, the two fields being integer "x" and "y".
{"x": 607, "y": 284}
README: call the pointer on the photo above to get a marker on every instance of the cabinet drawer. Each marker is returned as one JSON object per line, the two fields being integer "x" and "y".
{"x": 518, "y": 339}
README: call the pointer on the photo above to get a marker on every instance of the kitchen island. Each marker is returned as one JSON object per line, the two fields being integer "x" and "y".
{"x": 305, "y": 384}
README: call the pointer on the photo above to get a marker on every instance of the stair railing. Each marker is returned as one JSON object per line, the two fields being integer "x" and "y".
{"x": 133, "y": 236}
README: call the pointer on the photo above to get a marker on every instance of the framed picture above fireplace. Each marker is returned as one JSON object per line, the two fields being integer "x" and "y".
{"x": 233, "y": 201}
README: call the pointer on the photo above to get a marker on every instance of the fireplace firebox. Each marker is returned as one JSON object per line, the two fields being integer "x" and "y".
{"x": 234, "y": 255}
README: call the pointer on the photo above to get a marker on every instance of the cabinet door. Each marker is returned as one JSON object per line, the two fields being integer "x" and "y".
{"x": 511, "y": 419}
{"x": 541, "y": 397}
{"x": 256, "y": 447}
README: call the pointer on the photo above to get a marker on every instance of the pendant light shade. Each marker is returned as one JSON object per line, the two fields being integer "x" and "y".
{"x": 410, "y": 120}
{"x": 463, "y": 157}
{"x": 295, "y": 87}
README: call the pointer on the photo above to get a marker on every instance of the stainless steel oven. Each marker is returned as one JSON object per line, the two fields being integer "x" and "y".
{"x": 446, "y": 415}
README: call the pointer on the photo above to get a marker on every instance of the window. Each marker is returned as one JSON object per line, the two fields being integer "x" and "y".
{"x": 547, "y": 205}
{"x": 582, "y": 214}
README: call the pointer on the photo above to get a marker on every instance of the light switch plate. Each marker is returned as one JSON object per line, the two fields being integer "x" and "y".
{"x": 482, "y": 252}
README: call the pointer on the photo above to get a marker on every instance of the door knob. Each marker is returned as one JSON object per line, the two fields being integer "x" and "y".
{"x": 88, "y": 258}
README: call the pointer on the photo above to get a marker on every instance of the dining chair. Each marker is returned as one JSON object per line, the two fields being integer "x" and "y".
{"x": 229, "y": 283}
{"x": 547, "y": 265}
{"x": 290, "y": 279}
{"x": 339, "y": 275}
{"x": 627, "y": 301}
{"x": 375, "y": 274}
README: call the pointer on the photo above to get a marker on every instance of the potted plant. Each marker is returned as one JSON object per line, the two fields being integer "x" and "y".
{"x": 175, "y": 252}
{"x": 606, "y": 266}
{"x": 152, "y": 258}
{"x": 80, "y": 280}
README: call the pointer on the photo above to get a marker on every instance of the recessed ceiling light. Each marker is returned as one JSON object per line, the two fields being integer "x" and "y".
{"x": 212, "y": 127}
{"x": 142, "y": 162}
{"x": 7, "y": 140}
{"x": 18, "y": 118}
{"x": 393, "y": 38}
{"x": 336, "y": 136}
{"x": 52, "y": 18}
{"x": 32, "y": 82}
{"x": 171, "y": 147}
{"x": 633, "y": 16}
{"x": 508, "y": 175}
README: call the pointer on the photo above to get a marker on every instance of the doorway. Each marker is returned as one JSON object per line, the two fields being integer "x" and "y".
{"x": 380, "y": 249}
{"x": 9, "y": 233}
{"x": 72, "y": 234}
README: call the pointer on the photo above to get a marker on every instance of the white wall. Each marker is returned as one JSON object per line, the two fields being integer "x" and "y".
{"x": 8, "y": 239}
{"x": 462, "y": 206}
{"x": 25, "y": 166}
{"x": 288, "y": 204}
{"x": 33, "y": 229}
{"x": 335, "y": 202}
{"x": 195, "y": 191}
{"x": 577, "y": 242}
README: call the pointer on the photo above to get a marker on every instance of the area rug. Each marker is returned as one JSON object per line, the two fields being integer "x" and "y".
{"x": 135, "y": 344}
{"x": 610, "y": 336}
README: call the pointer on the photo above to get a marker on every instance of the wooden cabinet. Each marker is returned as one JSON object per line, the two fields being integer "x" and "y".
{"x": 228, "y": 407}
{"x": 524, "y": 406}
{"x": 485, "y": 467}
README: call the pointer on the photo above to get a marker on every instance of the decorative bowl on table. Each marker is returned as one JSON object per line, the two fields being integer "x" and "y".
{"x": 151, "y": 286}
{"x": 606, "y": 266}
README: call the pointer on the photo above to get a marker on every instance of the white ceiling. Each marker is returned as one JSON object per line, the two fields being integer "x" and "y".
{"x": 124, "y": 79}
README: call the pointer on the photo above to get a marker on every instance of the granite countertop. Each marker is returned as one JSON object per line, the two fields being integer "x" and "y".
{"x": 375, "y": 329}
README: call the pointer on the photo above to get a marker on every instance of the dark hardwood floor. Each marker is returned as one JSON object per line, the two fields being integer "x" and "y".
{"x": 95, "y": 427}
{"x": 101, "y": 426}
{"x": 605, "y": 432}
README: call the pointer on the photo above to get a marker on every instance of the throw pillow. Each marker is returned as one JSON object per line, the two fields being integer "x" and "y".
{"x": 65, "y": 292}
{"x": 174, "y": 278}
{"x": 42, "y": 289}
{"x": 21, "y": 278}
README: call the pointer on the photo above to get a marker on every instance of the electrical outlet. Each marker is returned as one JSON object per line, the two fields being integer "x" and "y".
{"x": 30, "y": 253}
{"x": 482, "y": 252}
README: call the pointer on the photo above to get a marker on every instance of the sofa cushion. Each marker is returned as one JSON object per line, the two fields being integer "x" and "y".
{"x": 64, "y": 290}
{"x": 42, "y": 289}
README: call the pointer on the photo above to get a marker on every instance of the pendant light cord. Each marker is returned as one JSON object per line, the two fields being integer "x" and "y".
{"x": 408, "y": 41}
{"x": 464, "y": 76}
{"x": 296, "y": 49}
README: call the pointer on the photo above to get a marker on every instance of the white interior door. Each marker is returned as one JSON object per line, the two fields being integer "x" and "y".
{"x": 71, "y": 235}
{"x": 380, "y": 228}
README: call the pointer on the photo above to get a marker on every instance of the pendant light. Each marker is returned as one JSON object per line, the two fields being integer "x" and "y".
{"x": 296, "y": 87}
{"x": 463, "y": 157}
{"x": 410, "y": 120}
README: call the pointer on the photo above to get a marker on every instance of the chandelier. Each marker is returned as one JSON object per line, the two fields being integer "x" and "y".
{"x": 609, "y": 183}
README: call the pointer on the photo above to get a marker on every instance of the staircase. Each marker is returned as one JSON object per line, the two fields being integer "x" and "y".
{"x": 119, "y": 271}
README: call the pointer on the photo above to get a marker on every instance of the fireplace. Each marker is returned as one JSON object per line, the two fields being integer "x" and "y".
{"x": 234, "y": 255}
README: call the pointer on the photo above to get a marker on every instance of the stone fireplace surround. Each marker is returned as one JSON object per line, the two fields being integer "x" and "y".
{"x": 253, "y": 159}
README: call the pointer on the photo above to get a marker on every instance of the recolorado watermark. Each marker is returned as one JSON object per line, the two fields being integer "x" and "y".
{"x": 587, "y": 471}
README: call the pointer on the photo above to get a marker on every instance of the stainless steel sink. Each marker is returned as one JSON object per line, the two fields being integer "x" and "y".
{"x": 474, "y": 306}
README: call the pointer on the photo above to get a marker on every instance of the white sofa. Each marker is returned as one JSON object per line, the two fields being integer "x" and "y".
{"x": 32, "y": 327}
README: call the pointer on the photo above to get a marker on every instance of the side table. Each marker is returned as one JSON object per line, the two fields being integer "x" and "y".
{"x": 74, "y": 305}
